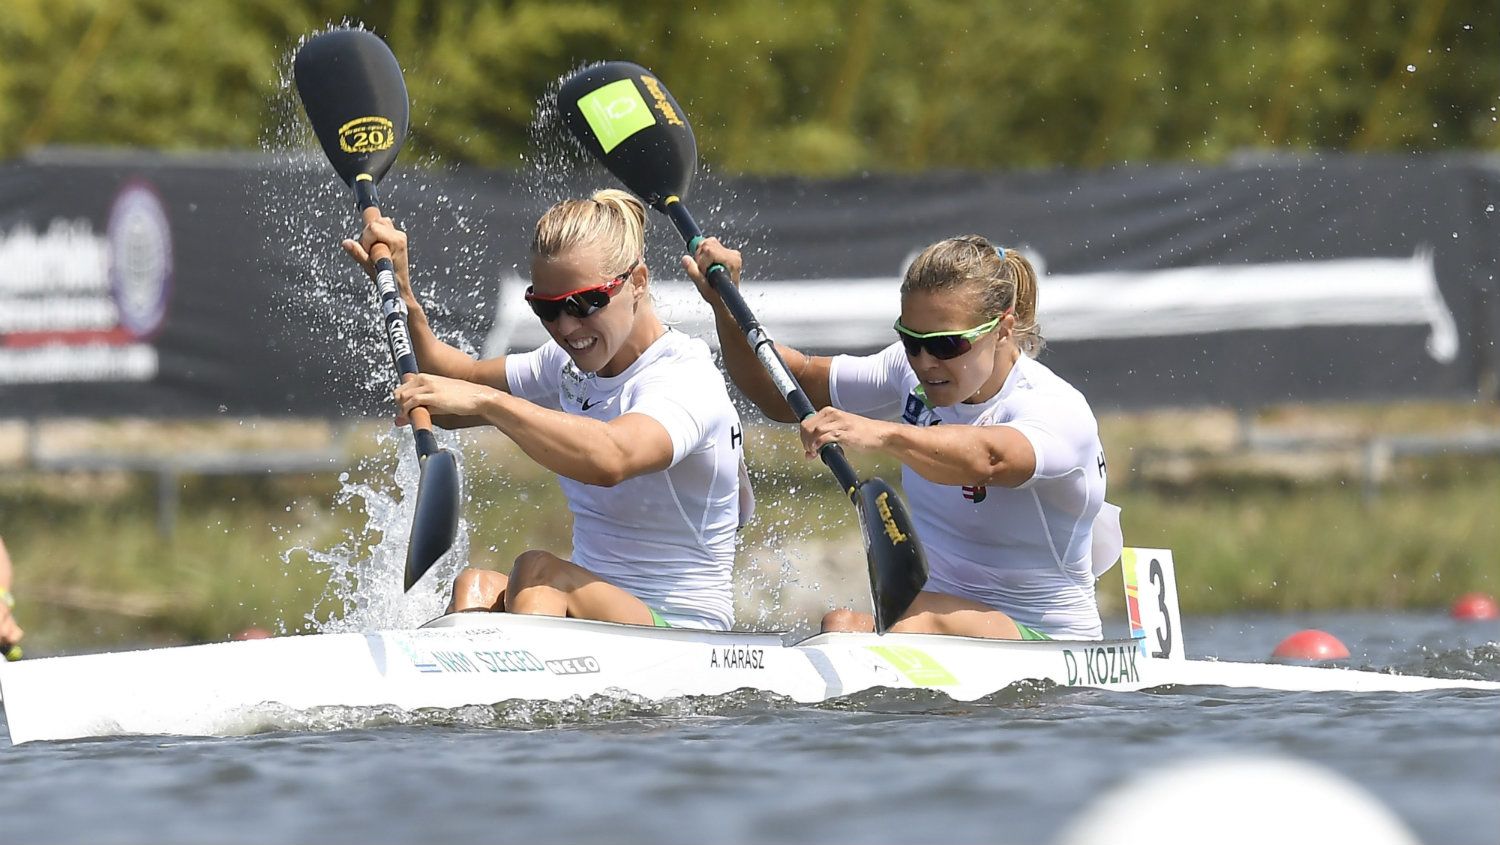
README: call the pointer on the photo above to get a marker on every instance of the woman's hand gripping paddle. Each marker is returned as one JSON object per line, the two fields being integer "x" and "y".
{"x": 355, "y": 98}
{"x": 626, "y": 119}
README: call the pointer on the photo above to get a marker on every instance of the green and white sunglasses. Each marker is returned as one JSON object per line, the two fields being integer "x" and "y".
{"x": 944, "y": 345}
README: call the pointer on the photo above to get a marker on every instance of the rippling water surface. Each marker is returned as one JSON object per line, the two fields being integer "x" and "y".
{"x": 876, "y": 767}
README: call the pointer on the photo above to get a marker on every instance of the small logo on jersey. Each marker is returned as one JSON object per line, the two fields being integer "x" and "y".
{"x": 735, "y": 436}
{"x": 587, "y": 404}
{"x": 1101, "y": 465}
{"x": 572, "y": 382}
{"x": 976, "y": 493}
{"x": 917, "y": 411}
{"x": 913, "y": 410}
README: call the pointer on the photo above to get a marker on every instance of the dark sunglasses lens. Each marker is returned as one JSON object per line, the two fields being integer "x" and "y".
{"x": 548, "y": 310}
{"x": 948, "y": 347}
{"x": 585, "y": 304}
{"x": 941, "y": 348}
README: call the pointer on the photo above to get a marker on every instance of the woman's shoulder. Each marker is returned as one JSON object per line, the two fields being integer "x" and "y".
{"x": 682, "y": 350}
{"x": 1040, "y": 384}
{"x": 685, "y": 362}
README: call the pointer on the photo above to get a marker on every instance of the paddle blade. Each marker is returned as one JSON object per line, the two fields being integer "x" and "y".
{"x": 355, "y": 98}
{"x": 629, "y": 121}
{"x": 436, "y": 523}
{"x": 898, "y": 568}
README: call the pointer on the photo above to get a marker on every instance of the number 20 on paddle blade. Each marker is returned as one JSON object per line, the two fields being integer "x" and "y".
{"x": 355, "y": 97}
{"x": 1151, "y": 601}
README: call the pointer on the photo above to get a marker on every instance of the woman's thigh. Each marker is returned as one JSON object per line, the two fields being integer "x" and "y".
{"x": 584, "y": 594}
{"x": 941, "y": 613}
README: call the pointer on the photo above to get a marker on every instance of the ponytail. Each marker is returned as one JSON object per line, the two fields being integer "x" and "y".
{"x": 611, "y": 219}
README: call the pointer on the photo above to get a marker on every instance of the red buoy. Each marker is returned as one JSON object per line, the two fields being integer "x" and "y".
{"x": 1310, "y": 644}
{"x": 1475, "y": 606}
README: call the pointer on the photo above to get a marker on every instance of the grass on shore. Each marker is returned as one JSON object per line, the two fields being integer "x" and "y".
{"x": 93, "y": 573}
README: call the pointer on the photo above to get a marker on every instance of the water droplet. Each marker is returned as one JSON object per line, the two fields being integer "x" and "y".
{"x": 1411, "y": 68}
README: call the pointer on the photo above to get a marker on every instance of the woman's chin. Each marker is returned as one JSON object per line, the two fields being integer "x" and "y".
{"x": 942, "y": 394}
{"x": 590, "y": 359}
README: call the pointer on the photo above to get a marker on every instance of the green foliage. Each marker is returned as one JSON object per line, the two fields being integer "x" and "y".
{"x": 813, "y": 87}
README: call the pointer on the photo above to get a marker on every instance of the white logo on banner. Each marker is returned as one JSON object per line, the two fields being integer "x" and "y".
{"x": 140, "y": 243}
{"x": 76, "y": 306}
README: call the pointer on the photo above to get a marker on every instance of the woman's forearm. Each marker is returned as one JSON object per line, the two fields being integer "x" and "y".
{"x": 957, "y": 454}
{"x": 433, "y": 355}
{"x": 746, "y": 370}
{"x": 580, "y": 448}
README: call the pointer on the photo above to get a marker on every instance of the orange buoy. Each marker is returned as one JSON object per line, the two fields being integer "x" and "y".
{"x": 1475, "y": 606}
{"x": 253, "y": 633}
{"x": 1310, "y": 644}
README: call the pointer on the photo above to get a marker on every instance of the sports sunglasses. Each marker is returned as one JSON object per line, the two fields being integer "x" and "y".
{"x": 579, "y": 303}
{"x": 944, "y": 345}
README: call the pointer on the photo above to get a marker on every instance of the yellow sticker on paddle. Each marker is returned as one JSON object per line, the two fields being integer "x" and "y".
{"x": 615, "y": 112}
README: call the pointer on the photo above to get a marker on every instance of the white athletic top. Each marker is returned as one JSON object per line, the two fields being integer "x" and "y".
{"x": 1027, "y": 550}
{"x": 665, "y": 537}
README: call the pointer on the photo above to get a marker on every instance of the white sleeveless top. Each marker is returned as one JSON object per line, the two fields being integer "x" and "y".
{"x": 665, "y": 537}
{"x": 1026, "y": 551}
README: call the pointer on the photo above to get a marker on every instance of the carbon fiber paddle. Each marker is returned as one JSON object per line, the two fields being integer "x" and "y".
{"x": 355, "y": 98}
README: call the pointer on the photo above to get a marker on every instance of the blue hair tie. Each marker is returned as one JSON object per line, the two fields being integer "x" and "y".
{"x": 1000, "y": 251}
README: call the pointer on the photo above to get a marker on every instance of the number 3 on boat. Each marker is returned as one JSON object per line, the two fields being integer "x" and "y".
{"x": 1151, "y": 602}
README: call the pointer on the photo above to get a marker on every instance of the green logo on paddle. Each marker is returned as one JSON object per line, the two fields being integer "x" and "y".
{"x": 615, "y": 112}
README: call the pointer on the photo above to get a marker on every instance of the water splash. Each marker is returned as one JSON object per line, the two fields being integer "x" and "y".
{"x": 1023, "y": 694}
{"x": 618, "y": 707}
{"x": 1480, "y": 663}
{"x": 610, "y": 708}
{"x": 366, "y": 568}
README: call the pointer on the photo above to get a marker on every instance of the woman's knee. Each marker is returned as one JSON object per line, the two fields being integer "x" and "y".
{"x": 536, "y": 566}
{"x": 470, "y": 578}
{"x": 477, "y": 589}
{"x": 846, "y": 620}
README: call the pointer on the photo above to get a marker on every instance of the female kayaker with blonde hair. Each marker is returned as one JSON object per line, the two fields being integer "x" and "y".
{"x": 633, "y": 417}
{"x": 1002, "y": 465}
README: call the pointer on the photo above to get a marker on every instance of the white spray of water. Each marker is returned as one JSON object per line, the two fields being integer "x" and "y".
{"x": 366, "y": 568}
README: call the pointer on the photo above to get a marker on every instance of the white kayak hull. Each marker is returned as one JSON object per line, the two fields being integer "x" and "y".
{"x": 479, "y": 659}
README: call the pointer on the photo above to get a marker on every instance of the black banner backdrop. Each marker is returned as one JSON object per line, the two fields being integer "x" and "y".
{"x": 149, "y": 286}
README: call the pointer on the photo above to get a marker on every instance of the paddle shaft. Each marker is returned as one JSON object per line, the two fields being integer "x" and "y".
{"x": 393, "y": 307}
{"x": 761, "y": 343}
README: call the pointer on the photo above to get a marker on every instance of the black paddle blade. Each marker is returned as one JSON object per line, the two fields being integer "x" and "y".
{"x": 629, "y": 121}
{"x": 355, "y": 98}
{"x": 436, "y": 523}
{"x": 898, "y": 568}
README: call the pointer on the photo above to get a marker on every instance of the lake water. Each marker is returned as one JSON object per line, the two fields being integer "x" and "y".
{"x": 876, "y": 767}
